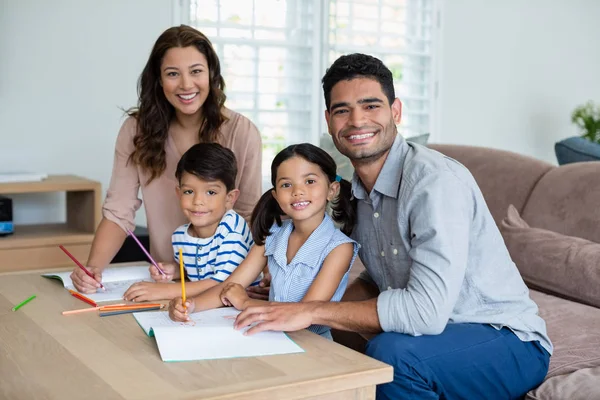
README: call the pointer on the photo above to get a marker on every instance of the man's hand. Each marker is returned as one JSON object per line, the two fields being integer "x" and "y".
{"x": 145, "y": 291}
{"x": 260, "y": 292}
{"x": 277, "y": 317}
{"x": 233, "y": 294}
{"x": 177, "y": 311}
{"x": 170, "y": 270}
{"x": 83, "y": 283}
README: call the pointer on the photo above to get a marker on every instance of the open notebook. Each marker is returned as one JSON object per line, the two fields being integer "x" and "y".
{"x": 115, "y": 280}
{"x": 210, "y": 335}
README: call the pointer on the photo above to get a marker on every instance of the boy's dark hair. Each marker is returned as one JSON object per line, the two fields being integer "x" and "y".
{"x": 267, "y": 210}
{"x": 358, "y": 65}
{"x": 209, "y": 162}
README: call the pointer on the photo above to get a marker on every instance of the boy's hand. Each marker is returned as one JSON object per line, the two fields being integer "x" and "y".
{"x": 170, "y": 270}
{"x": 145, "y": 291}
{"x": 83, "y": 283}
{"x": 234, "y": 294}
{"x": 177, "y": 312}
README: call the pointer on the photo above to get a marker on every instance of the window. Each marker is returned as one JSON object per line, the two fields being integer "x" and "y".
{"x": 275, "y": 52}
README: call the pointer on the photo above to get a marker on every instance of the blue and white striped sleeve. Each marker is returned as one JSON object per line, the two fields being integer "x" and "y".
{"x": 232, "y": 251}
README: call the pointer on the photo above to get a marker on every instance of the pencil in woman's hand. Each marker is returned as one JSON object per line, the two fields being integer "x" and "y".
{"x": 80, "y": 265}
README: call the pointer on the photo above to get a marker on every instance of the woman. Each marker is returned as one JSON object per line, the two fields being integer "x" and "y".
{"x": 180, "y": 104}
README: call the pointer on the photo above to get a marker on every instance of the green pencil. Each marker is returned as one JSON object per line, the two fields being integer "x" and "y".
{"x": 21, "y": 304}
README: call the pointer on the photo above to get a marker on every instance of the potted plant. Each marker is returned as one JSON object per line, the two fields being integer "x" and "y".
{"x": 587, "y": 146}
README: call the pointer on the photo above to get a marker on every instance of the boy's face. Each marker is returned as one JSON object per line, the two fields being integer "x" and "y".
{"x": 204, "y": 203}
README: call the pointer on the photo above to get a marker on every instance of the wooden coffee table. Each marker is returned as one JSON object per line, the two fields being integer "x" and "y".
{"x": 44, "y": 354}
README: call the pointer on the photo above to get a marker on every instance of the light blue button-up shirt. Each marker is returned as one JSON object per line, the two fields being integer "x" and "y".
{"x": 429, "y": 242}
{"x": 290, "y": 282}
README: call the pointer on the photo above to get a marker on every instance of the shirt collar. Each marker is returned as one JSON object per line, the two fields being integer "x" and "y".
{"x": 388, "y": 180}
{"x": 306, "y": 254}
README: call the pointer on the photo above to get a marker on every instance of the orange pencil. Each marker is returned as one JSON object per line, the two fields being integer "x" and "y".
{"x": 181, "y": 274}
{"x": 84, "y": 310}
{"x": 83, "y": 298}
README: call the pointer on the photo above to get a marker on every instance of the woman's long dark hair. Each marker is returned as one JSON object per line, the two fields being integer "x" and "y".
{"x": 154, "y": 113}
{"x": 267, "y": 210}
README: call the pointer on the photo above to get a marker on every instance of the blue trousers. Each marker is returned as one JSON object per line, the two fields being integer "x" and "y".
{"x": 466, "y": 361}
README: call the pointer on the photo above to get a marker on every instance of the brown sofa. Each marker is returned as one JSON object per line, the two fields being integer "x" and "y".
{"x": 553, "y": 235}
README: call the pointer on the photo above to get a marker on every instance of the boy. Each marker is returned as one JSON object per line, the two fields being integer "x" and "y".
{"x": 216, "y": 240}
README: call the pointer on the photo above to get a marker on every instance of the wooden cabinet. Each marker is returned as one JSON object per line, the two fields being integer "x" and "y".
{"x": 36, "y": 246}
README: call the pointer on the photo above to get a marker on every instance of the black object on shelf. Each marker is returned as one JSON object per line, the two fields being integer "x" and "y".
{"x": 130, "y": 251}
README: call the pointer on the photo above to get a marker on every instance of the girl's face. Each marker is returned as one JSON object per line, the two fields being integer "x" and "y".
{"x": 302, "y": 189}
{"x": 185, "y": 79}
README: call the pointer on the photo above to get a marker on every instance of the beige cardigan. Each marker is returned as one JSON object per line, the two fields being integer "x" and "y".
{"x": 163, "y": 213}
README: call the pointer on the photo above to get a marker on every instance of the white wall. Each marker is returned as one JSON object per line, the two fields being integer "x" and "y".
{"x": 513, "y": 70}
{"x": 67, "y": 68}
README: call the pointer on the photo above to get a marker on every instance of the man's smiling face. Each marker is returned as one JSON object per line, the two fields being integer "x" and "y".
{"x": 360, "y": 119}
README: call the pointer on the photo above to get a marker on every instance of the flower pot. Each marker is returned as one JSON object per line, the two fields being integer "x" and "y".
{"x": 576, "y": 149}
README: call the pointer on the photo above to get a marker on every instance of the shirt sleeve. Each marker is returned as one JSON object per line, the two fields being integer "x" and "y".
{"x": 249, "y": 159}
{"x": 232, "y": 251}
{"x": 122, "y": 197}
{"x": 440, "y": 210}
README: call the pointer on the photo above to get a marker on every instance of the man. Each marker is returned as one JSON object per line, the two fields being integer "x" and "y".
{"x": 456, "y": 317}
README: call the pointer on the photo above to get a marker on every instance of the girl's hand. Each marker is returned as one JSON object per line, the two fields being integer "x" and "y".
{"x": 170, "y": 270}
{"x": 234, "y": 294}
{"x": 145, "y": 291}
{"x": 177, "y": 312}
{"x": 260, "y": 291}
{"x": 83, "y": 283}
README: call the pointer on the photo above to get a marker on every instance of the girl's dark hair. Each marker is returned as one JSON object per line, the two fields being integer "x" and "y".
{"x": 154, "y": 113}
{"x": 209, "y": 162}
{"x": 267, "y": 210}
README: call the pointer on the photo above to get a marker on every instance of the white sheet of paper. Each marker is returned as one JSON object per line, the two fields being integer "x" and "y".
{"x": 115, "y": 280}
{"x": 210, "y": 335}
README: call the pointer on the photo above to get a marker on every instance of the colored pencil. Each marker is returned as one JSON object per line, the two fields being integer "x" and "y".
{"x": 80, "y": 265}
{"x": 83, "y": 298}
{"x": 129, "y": 308}
{"x": 146, "y": 252}
{"x": 109, "y": 313}
{"x": 182, "y": 277}
{"x": 21, "y": 304}
{"x": 84, "y": 310}
{"x": 132, "y": 305}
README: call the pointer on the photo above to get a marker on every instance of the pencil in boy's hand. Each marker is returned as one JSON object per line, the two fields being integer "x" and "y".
{"x": 80, "y": 265}
{"x": 146, "y": 252}
{"x": 182, "y": 277}
{"x": 21, "y": 304}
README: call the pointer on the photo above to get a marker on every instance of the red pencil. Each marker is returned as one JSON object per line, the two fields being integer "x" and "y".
{"x": 83, "y": 298}
{"x": 80, "y": 265}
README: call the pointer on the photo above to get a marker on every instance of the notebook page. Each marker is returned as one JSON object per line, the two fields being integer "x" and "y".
{"x": 209, "y": 343}
{"x": 217, "y": 317}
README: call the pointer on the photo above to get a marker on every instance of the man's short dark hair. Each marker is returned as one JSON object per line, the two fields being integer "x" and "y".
{"x": 357, "y": 65}
{"x": 209, "y": 162}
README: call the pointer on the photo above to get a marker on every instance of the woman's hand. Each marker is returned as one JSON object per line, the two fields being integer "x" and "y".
{"x": 177, "y": 311}
{"x": 234, "y": 294}
{"x": 146, "y": 291}
{"x": 170, "y": 270}
{"x": 83, "y": 283}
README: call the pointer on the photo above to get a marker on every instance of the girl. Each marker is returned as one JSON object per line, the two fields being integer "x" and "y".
{"x": 180, "y": 104}
{"x": 308, "y": 257}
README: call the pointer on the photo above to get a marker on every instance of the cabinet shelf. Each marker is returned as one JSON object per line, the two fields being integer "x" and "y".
{"x": 36, "y": 246}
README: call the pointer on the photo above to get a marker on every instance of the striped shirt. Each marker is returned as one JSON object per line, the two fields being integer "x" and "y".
{"x": 290, "y": 282}
{"x": 218, "y": 256}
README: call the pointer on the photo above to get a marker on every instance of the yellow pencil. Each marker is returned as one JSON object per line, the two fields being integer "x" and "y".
{"x": 182, "y": 277}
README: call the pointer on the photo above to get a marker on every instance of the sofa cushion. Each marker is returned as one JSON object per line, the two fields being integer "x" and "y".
{"x": 503, "y": 177}
{"x": 579, "y": 385}
{"x": 564, "y": 265}
{"x": 566, "y": 200}
{"x": 576, "y": 149}
{"x": 574, "y": 330}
